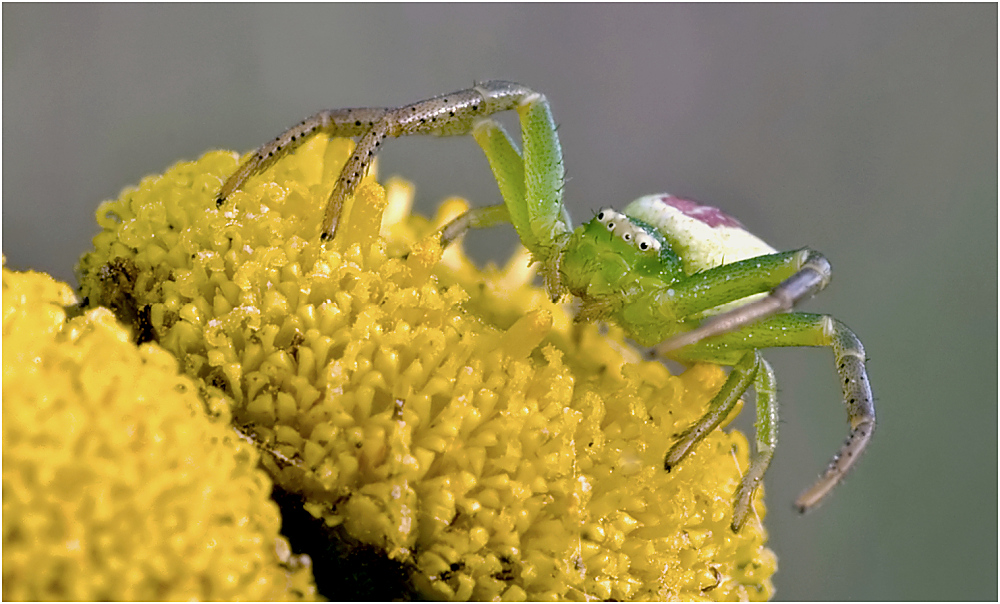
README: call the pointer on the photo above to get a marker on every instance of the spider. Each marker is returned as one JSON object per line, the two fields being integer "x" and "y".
{"x": 683, "y": 278}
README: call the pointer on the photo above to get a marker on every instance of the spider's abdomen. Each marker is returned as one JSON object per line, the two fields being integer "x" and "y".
{"x": 703, "y": 237}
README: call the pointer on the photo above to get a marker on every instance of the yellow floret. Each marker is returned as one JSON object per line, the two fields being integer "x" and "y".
{"x": 451, "y": 416}
{"x": 116, "y": 484}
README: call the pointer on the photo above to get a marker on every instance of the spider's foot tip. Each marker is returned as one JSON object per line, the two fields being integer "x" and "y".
{"x": 324, "y": 236}
{"x": 219, "y": 201}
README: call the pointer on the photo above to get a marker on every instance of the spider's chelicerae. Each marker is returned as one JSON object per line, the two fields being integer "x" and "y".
{"x": 681, "y": 277}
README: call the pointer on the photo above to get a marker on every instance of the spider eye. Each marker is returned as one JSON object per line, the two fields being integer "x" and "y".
{"x": 627, "y": 236}
{"x": 647, "y": 243}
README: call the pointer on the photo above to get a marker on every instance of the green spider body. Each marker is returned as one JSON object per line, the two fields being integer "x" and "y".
{"x": 676, "y": 275}
{"x": 623, "y": 265}
{"x": 613, "y": 275}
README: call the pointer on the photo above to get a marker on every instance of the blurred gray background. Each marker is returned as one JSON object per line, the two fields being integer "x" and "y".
{"x": 868, "y": 132}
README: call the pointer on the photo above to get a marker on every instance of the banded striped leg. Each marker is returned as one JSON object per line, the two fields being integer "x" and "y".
{"x": 805, "y": 329}
{"x": 751, "y": 369}
{"x": 812, "y": 275}
{"x": 444, "y": 115}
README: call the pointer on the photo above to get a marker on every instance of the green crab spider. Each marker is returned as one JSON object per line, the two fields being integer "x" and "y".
{"x": 680, "y": 277}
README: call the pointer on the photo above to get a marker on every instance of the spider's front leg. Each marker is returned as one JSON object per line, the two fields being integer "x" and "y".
{"x": 444, "y": 115}
{"x": 530, "y": 183}
{"x": 336, "y": 122}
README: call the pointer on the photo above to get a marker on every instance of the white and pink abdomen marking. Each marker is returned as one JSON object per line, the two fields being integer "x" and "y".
{"x": 703, "y": 236}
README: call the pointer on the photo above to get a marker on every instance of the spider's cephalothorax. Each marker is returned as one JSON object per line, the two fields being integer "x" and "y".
{"x": 611, "y": 260}
{"x": 676, "y": 275}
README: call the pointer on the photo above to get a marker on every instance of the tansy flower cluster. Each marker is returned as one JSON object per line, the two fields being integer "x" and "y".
{"x": 451, "y": 416}
{"x": 117, "y": 485}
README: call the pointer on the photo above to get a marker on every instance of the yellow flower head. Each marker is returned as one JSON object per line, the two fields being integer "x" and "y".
{"x": 116, "y": 484}
{"x": 451, "y": 416}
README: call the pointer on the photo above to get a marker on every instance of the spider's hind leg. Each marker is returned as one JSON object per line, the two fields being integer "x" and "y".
{"x": 740, "y": 378}
{"x": 806, "y": 329}
{"x": 766, "y": 434}
{"x": 750, "y": 369}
